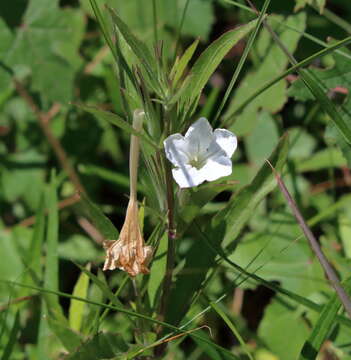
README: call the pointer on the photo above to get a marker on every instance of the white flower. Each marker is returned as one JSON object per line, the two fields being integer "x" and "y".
{"x": 202, "y": 154}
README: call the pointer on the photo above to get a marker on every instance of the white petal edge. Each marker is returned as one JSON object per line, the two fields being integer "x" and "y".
{"x": 215, "y": 169}
{"x": 176, "y": 149}
{"x": 199, "y": 135}
{"x": 188, "y": 176}
{"x": 226, "y": 140}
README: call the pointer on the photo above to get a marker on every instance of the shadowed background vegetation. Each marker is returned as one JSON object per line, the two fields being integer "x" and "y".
{"x": 246, "y": 284}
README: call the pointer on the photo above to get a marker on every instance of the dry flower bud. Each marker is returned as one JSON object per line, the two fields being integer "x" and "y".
{"x": 129, "y": 253}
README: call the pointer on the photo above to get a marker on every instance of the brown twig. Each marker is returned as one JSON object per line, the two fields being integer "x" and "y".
{"x": 43, "y": 119}
{"x": 61, "y": 205}
{"x": 331, "y": 275}
{"x": 16, "y": 301}
{"x": 100, "y": 55}
{"x": 91, "y": 230}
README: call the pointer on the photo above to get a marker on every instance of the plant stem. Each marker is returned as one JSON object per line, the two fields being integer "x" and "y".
{"x": 167, "y": 282}
{"x": 138, "y": 118}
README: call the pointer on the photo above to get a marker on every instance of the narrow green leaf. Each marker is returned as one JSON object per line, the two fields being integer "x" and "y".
{"x": 51, "y": 277}
{"x": 98, "y": 218}
{"x": 157, "y": 271}
{"x": 123, "y": 310}
{"x": 270, "y": 83}
{"x": 76, "y": 309}
{"x": 328, "y": 106}
{"x": 208, "y": 61}
{"x": 37, "y": 241}
{"x": 104, "y": 28}
{"x": 117, "y": 121}
{"x": 52, "y": 317}
{"x": 232, "y": 327}
{"x": 140, "y": 50}
{"x": 325, "y": 324}
{"x": 102, "y": 286}
{"x": 12, "y": 338}
{"x": 179, "y": 67}
{"x": 101, "y": 346}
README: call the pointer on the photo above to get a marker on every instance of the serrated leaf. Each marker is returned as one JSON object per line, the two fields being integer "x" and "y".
{"x": 41, "y": 47}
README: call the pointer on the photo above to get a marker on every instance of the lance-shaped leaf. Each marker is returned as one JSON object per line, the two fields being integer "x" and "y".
{"x": 141, "y": 51}
{"x": 208, "y": 61}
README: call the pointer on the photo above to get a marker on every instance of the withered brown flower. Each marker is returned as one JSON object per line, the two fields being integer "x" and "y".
{"x": 129, "y": 253}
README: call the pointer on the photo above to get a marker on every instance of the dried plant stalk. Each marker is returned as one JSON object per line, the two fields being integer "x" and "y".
{"x": 129, "y": 253}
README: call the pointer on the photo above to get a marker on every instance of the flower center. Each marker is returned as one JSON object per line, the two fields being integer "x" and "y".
{"x": 197, "y": 162}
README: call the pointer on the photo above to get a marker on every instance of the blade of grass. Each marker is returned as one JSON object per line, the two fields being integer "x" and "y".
{"x": 209, "y": 60}
{"x": 313, "y": 85}
{"x": 333, "y": 278}
{"x": 243, "y": 58}
{"x": 232, "y": 327}
{"x": 12, "y": 338}
{"x": 104, "y": 28}
{"x": 120, "y": 309}
{"x": 270, "y": 285}
{"x": 180, "y": 27}
{"x": 324, "y": 326}
{"x": 76, "y": 308}
{"x": 283, "y": 23}
{"x": 228, "y": 119}
{"x": 51, "y": 276}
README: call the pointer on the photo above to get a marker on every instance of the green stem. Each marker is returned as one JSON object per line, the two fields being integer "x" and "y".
{"x": 242, "y": 59}
{"x": 167, "y": 282}
{"x": 337, "y": 20}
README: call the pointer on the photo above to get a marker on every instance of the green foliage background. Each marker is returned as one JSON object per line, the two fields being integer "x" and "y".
{"x": 243, "y": 268}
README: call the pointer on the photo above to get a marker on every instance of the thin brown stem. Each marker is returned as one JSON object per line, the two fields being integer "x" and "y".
{"x": 16, "y": 301}
{"x": 331, "y": 275}
{"x": 61, "y": 205}
{"x": 43, "y": 120}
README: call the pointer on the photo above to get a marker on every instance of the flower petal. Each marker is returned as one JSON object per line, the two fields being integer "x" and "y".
{"x": 176, "y": 148}
{"x": 226, "y": 140}
{"x": 216, "y": 168}
{"x": 187, "y": 176}
{"x": 199, "y": 136}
